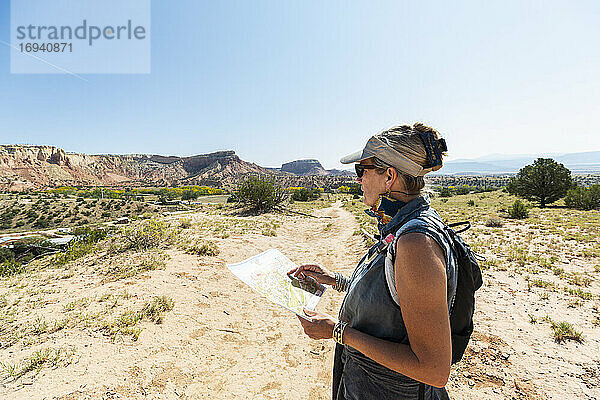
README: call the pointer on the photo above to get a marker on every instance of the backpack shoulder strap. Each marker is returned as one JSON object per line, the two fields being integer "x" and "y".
{"x": 467, "y": 225}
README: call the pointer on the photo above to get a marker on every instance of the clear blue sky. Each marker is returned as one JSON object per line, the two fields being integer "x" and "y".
{"x": 283, "y": 80}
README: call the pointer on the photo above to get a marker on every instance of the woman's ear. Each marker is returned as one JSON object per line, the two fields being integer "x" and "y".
{"x": 391, "y": 177}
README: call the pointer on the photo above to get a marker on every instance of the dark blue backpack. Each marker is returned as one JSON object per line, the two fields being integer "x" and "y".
{"x": 468, "y": 281}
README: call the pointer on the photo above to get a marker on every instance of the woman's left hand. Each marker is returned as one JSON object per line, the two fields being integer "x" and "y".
{"x": 321, "y": 326}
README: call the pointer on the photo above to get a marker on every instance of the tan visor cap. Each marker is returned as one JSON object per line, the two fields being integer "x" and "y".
{"x": 377, "y": 148}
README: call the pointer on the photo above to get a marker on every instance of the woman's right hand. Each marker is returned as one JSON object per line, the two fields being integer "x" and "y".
{"x": 320, "y": 274}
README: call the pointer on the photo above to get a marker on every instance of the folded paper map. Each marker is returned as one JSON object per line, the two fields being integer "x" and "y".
{"x": 267, "y": 274}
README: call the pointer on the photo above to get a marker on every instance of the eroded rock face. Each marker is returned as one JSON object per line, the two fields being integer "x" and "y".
{"x": 23, "y": 167}
{"x": 33, "y": 167}
{"x": 311, "y": 167}
{"x": 58, "y": 157}
{"x": 304, "y": 167}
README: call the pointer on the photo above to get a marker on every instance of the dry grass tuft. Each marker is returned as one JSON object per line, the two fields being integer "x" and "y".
{"x": 565, "y": 331}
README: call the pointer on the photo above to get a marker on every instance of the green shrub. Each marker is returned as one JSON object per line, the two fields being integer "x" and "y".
{"x": 41, "y": 222}
{"x": 204, "y": 248}
{"x": 260, "y": 194}
{"x": 304, "y": 194}
{"x": 147, "y": 234}
{"x": 445, "y": 192}
{"x": 352, "y": 188}
{"x": 6, "y": 255}
{"x": 154, "y": 310}
{"x": 545, "y": 181}
{"x": 518, "y": 210}
{"x": 565, "y": 331}
{"x": 584, "y": 198}
{"x": 190, "y": 194}
{"x": 84, "y": 243}
{"x": 10, "y": 267}
{"x": 464, "y": 189}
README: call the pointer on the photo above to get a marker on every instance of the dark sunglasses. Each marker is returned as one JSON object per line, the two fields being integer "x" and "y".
{"x": 360, "y": 169}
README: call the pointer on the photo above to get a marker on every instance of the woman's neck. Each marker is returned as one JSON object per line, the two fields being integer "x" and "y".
{"x": 403, "y": 197}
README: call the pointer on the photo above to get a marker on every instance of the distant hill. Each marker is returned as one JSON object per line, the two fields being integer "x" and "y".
{"x": 579, "y": 163}
{"x": 33, "y": 167}
{"x": 310, "y": 167}
{"x": 24, "y": 167}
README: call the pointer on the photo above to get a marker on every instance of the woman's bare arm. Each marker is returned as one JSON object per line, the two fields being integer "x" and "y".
{"x": 420, "y": 275}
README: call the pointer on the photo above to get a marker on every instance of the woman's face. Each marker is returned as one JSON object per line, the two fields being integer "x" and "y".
{"x": 372, "y": 184}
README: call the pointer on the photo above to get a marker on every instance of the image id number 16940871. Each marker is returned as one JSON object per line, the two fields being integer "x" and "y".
{"x": 46, "y": 47}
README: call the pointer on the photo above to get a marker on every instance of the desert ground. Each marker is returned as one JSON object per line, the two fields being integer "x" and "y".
{"x": 165, "y": 319}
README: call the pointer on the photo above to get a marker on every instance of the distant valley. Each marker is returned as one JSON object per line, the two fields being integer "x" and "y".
{"x": 578, "y": 163}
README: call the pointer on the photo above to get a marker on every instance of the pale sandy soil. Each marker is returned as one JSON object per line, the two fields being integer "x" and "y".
{"x": 223, "y": 341}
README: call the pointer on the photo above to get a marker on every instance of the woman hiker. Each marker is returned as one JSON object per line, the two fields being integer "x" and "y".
{"x": 393, "y": 329}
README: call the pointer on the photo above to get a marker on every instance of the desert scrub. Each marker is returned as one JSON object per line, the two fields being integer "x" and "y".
{"x": 126, "y": 324}
{"x": 120, "y": 269}
{"x": 365, "y": 222}
{"x": 304, "y": 194}
{"x": 259, "y": 193}
{"x": 156, "y": 308}
{"x": 565, "y": 331}
{"x": 10, "y": 268}
{"x": 76, "y": 304}
{"x": 223, "y": 227}
{"x": 84, "y": 243}
{"x": 532, "y": 319}
{"x": 541, "y": 284}
{"x": 185, "y": 223}
{"x": 490, "y": 263}
{"x": 494, "y": 223}
{"x": 40, "y": 326}
{"x": 518, "y": 210}
{"x": 269, "y": 231}
{"x": 580, "y": 293}
{"x": 578, "y": 279}
{"x": 320, "y": 203}
{"x": 147, "y": 234}
{"x": 518, "y": 255}
{"x": 591, "y": 252}
{"x": 201, "y": 248}
{"x": 51, "y": 357}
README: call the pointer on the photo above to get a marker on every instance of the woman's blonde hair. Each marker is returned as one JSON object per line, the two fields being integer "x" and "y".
{"x": 407, "y": 140}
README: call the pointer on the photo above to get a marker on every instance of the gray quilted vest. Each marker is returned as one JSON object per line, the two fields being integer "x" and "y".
{"x": 371, "y": 306}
